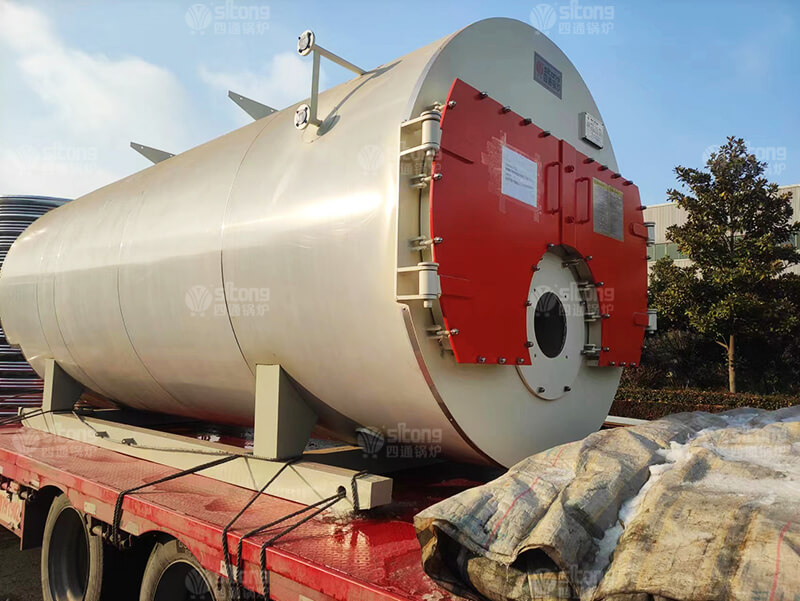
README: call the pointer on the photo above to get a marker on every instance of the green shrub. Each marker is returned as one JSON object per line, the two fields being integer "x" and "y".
{"x": 672, "y": 359}
{"x": 678, "y": 359}
{"x": 647, "y": 403}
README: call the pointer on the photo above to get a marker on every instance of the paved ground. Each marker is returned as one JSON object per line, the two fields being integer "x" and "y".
{"x": 19, "y": 570}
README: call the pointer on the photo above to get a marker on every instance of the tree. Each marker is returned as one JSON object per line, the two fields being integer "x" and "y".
{"x": 738, "y": 235}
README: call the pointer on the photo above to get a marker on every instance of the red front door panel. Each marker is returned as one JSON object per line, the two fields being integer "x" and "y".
{"x": 620, "y": 264}
{"x": 491, "y": 240}
{"x": 496, "y": 221}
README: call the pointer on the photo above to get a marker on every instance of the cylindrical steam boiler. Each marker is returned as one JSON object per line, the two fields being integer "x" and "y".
{"x": 449, "y": 253}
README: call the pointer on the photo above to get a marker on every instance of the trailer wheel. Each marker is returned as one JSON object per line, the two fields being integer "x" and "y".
{"x": 174, "y": 574}
{"x": 73, "y": 560}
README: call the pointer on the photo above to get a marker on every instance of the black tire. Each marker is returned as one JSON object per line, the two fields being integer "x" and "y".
{"x": 174, "y": 574}
{"x": 74, "y": 562}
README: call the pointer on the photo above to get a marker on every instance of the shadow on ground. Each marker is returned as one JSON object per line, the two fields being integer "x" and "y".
{"x": 19, "y": 570}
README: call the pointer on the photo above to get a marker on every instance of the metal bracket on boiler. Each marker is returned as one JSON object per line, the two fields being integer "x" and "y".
{"x": 283, "y": 422}
{"x": 255, "y": 109}
{"x": 429, "y": 288}
{"x": 430, "y": 137}
{"x": 61, "y": 392}
{"x": 154, "y": 155}
{"x": 306, "y": 114}
{"x": 420, "y": 143}
{"x": 591, "y": 351}
{"x": 283, "y": 425}
{"x": 419, "y": 243}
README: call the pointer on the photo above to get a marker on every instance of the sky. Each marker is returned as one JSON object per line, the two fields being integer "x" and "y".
{"x": 80, "y": 79}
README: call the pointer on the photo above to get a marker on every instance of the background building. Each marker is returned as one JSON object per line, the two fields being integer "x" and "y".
{"x": 668, "y": 213}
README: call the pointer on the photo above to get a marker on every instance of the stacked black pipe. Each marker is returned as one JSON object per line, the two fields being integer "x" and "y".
{"x": 20, "y": 386}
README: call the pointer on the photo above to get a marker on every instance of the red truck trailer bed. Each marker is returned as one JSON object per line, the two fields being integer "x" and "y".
{"x": 373, "y": 556}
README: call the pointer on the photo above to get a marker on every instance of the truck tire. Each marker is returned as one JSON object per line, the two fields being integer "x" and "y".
{"x": 174, "y": 574}
{"x": 74, "y": 562}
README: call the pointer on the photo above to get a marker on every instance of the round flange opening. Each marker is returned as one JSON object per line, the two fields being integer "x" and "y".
{"x": 550, "y": 325}
{"x": 556, "y": 331}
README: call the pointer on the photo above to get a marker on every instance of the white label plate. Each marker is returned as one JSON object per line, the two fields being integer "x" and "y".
{"x": 592, "y": 129}
{"x": 520, "y": 177}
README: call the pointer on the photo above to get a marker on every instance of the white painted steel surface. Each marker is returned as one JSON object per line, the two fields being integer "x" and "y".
{"x": 311, "y": 225}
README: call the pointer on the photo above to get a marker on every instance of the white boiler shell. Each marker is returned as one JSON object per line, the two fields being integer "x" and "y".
{"x": 101, "y": 284}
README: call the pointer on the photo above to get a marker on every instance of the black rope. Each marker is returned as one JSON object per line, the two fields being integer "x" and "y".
{"x": 37, "y": 412}
{"x": 322, "y": 505}
{"x": 15, "y": 419}
{"x": 354, "y": 489}
{"x": 118, "y": 506}
{"x": 236, "y": 583}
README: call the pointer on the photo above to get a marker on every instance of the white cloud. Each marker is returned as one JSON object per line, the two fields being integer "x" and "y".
{"x": 24, "y": 29}
{"x": 91, "y": 107}
{"x": 285, "y": 81}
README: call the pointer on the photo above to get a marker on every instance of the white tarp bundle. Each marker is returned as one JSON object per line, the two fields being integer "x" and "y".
{"x": 692, "y": 507}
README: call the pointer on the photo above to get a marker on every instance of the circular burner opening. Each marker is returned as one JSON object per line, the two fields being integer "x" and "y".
{"x": 550, "y": 325}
